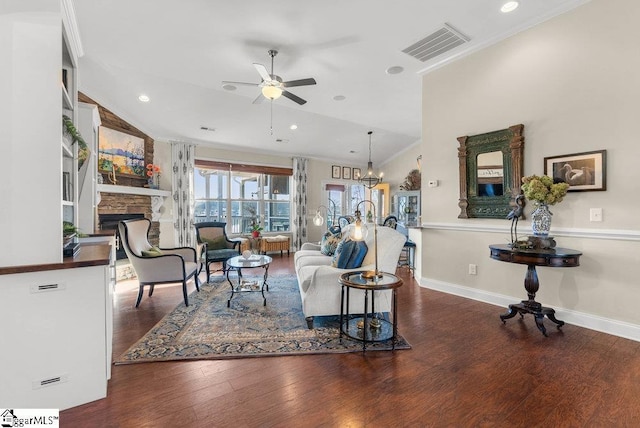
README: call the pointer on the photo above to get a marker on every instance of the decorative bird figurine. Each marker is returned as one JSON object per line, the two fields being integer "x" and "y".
{"x": 514, "y": 215}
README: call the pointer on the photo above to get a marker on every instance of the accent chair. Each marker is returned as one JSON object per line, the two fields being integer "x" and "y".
{"x": 155, "y": 265}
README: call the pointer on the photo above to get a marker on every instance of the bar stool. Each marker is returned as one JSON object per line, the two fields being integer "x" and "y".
{"x": 408, "y": 255}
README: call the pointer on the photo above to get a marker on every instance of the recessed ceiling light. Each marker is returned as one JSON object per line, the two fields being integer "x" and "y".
{"x": 294, "y": 126}
{"x": 396, "y": 69}
{"x": 229, "y": 87}
{"x": 144, "y": 98}
{"x": 339, "y": 98}
{"x": 509, "y": 6}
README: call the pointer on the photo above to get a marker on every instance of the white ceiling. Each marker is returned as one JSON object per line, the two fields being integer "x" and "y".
{"x": 179, "y": 52}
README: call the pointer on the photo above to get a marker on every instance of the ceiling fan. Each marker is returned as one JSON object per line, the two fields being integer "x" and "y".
{"x": 272, "y": 86}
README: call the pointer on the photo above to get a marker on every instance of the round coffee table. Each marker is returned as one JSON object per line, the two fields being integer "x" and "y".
{"x": 242, "y": 285}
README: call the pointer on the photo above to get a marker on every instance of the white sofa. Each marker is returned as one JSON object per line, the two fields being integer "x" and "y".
{"x": 318, "y": 280}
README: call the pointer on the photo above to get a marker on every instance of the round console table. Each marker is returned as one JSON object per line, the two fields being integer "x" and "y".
{"x": 555, "y": 257}
{"x": 368, "y": 328}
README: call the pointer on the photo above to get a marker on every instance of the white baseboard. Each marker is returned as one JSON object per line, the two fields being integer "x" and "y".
{"x": 581, "y": 319}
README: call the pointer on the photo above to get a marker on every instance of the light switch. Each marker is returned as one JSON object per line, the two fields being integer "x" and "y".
{"x": 432, "y": 183}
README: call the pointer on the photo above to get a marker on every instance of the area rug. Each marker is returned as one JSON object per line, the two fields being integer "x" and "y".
{"x": 207, "y": 329}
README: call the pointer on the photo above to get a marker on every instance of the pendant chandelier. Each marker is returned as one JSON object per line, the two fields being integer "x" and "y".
{"x": 370, "y": 180}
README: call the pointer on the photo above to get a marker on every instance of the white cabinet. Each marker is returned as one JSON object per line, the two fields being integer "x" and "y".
{"x": 57, "y": 330}
{"x": 406, "y": 207}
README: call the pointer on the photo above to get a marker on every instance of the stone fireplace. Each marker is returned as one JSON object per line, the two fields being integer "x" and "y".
{"x": 110, "y": 222}
{"x": 125, "y": 202}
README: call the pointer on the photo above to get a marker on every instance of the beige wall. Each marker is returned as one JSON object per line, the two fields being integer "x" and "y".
{"x": 396, "y": 169}
{"x": 574, "y": 84}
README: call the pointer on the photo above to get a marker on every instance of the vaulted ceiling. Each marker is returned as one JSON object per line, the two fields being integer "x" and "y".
{"x": 178, "y": 53}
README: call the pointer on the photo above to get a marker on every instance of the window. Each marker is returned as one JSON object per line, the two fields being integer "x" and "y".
{"x": 250, "y": 194}
{"x": 344, "y": 197}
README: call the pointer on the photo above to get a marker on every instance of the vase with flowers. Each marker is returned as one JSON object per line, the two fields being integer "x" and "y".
{"x": 543, "y": 192}
{"x": 255, "y": 230}
{"x": 153, "y": 176}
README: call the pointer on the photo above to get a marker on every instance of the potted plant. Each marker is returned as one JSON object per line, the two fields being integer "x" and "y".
{"x": 255, "y": 230}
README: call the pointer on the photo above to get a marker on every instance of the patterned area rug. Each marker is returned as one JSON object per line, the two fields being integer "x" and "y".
{"x": 207, "y": 329}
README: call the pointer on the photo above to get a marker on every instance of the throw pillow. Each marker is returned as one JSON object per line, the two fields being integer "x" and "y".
{"x": 330, "y": 243}
{"x": 151, "y": 252}
{"x": 337, "y": 252}
{"x": 218, "y": 243}
{"x": 351, "y": 254}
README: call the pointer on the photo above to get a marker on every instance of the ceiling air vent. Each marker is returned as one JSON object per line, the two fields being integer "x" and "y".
{"x": 436, "y": 43}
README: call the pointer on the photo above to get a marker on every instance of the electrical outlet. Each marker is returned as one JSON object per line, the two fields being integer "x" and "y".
{"x": 472, "y": 269}
{"x": 595, "y": 214}
{"x": 432, "y": 183}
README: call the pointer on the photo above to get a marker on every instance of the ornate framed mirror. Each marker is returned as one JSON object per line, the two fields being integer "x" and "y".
{"x": 491, "y": 167}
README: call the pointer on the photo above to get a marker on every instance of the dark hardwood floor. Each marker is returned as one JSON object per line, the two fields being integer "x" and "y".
{"x": 465, "y": 369}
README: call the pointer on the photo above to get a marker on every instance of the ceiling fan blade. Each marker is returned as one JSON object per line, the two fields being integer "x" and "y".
{"x": 300, "y": 82}
{"x": 263, "y": 72}
{"x": 228, "y": 82}
{"x": 294, "y": 98}
{"x": 258, "y": 99}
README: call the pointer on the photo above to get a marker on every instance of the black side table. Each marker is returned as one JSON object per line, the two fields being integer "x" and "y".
{"x": 368, "y": 328}
{"x": 554, "y": 257}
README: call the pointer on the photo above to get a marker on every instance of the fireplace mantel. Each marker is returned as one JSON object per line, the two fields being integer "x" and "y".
{"x": 157, "y": 196}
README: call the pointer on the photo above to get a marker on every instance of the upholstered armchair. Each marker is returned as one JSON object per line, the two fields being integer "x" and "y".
{"x": 155, "y": 265}
{"x": 218, "y": 247}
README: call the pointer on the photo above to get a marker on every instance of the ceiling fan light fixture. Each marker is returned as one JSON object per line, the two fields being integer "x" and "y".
{"x": 271, "y": 92}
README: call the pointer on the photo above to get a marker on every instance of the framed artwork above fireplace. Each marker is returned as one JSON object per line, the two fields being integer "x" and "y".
{"x": 121, "y": 153}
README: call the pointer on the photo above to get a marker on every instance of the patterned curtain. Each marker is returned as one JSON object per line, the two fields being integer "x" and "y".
{"x": 182, "y": 186}
{"x": 299, "y": 229}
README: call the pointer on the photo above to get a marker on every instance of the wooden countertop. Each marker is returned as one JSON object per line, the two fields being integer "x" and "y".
{"x": 90, "y": 254}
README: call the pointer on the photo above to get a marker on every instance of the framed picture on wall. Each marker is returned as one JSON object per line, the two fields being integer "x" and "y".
{"x": 120, "y": 152}
{"x": 346, "y": 173}
{"x": 335, "y": 171}
{"x": 356, "y": 173}
{"x": 584, "y": 171}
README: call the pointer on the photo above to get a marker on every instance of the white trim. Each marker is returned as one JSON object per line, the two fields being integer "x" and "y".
{"x": 611, "y": 234}
{"x": 401, "y": 152}
{"x": 70, "y": 27}
{"x": 114, "y": 188}
{"x": 580, "y": 319}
